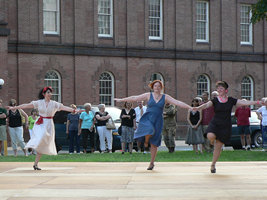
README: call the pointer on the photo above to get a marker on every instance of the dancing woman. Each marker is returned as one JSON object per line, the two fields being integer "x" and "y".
{"x": 220, "y": 128}
{"x": 43, "y": 134}
{"x": 151, "y": 123}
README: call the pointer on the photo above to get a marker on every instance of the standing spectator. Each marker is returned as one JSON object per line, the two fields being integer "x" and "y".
{"x": 169, "y": 126}
{"x": 15, "y": 127}
{"x": 139, "y": 111}
{"x": 128, "y": 125}
{"x": 3, "y": 116}
{"x": 86, "y": 127}
{"x": 32, "y": 119}
{"x": 195, "y": 135}
{"x": 214, "y": 94}
{"x": 72, "y": 130}
{"x": 102, "y": 118}
{"x": 207, "y": 115}
{"x": 243, "y": 114}
{"x": 262, "y": 116}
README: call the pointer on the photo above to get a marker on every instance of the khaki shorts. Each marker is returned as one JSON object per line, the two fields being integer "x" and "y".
{"x": 3, "y": 133}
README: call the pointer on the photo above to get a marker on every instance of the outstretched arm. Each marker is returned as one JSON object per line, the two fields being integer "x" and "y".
{"x": 205, "y": 105}
{"x": 22, "y": 106}
{"x": 142, "y": 97}
{"x": 173, "y": 101}
{"x": 247, "y": 103}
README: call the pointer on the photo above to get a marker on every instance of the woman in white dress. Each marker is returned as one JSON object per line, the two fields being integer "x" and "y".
{"x": 43, "y": 133}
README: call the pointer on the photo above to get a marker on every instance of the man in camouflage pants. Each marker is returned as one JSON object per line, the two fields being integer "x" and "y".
{"x": 169, "y": 127}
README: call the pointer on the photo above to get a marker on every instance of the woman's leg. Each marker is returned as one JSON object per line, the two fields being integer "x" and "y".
{"x": 153, "y": 150}
{"x": 100, "y": 131}
{"x": 78, "y": 142}
{"x": 130, "y": 147}
{"x": 92, "y": 141}
{"x": 12, "y": 134}
{"x": 123, "y": 147}
{"x": 37, "y": 159}
{"x": 71, "y": 139}
{"x": 195, "y": 148}
{"x": 211, "y": 137}
{"x": 216, "y": 153}
{"x": 108, "y": 135}
{"x": 85, "y": 139}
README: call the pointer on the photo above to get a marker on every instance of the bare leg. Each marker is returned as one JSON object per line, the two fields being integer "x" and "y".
{"x": 15, "y": 152}
{"x": 139, "y": 146}
{"x": 195, "y": 148}
{"x": 123, "y": 147}
{"x": 216, "y": 153}
{"x": 25, "y": 152}
{"x": 37, "y": 158}
{"x": 201, "y": 148}
{"x": 154, "y": 150}
{"x": 211, "y": 137}
{"x": 248, "y": 140}
{"x": 147, "y": 138}
{"x": 242, "y": 137}
{"x": 130, "y": 147}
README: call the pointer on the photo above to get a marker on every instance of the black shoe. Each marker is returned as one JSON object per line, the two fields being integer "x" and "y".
{"x": 248, "y": 149}
{"x": 122, "y": 152}
{"x": 212, "y": 169}
{"x": 151, "y": 167}
{"x": 35, "y": 167}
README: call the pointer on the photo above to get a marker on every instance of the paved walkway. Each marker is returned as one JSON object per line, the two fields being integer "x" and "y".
{"x": 131, "y": 181}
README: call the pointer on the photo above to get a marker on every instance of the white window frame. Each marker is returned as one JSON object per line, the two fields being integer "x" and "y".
{"x": 250, "y": 26}
{"x": 112, "y": 89}
{"x": 208, "y": 84}
{"x": 207, "y": 22}
{"x": 161, "y": 24}
{"x": 111, "y": 21}
{"x": 59, "y": 84}
{"x": 251, "y": 97}
{"x": 57, "y": 19}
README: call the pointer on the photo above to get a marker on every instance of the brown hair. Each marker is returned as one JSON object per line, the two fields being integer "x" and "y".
{"x": 126, "y": 103}
{"x": 12, "y": 101}
{"x": 222, "y": 84}
{"x": 151, "y": 85}
{"x": 195, "y": 100}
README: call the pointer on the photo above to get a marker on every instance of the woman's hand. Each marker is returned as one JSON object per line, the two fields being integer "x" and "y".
{"x": 11, "y": 107}
{"x": 118, "y": 100}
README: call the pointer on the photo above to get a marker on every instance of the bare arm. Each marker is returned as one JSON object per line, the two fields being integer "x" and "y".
{"x": 3, "y": 116}
{"x": 25, "y": 116}
{"x": 259, "y": 115}
{"x": 200, "y": 118}
{"x": 173, "y": 101}
{"x": 246, "y": 102}
{"x": 188, "y": 119}
{"x": 22, "y": 106}
{"x": 205, "y": 105}
{"x": 142, "y": 97}
{"x": 79, "y": 127}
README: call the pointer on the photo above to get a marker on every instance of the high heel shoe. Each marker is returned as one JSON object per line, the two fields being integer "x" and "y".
{"x": 150, "y": 167}
{"x": 35, "y": 167}
{"x": 212, "y": 169}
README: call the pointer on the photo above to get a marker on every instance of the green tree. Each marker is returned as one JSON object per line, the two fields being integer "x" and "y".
{"x": 259, "y": 11}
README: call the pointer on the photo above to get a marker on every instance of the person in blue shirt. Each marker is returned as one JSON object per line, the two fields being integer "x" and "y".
{"x": 72, "y": 130}
{"x": 86, "y": 127}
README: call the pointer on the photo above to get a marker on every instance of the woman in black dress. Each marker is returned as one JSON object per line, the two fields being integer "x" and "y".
{"x": 220, "y": 128}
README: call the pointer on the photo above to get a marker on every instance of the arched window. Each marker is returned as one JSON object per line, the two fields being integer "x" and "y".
{"x": 53, "y": 79}
{"x": 203, "y": 84}
{"x": 106, "y": 88}
{"x": 247, "y": 88}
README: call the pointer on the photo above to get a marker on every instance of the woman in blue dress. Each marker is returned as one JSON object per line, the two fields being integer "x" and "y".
{"x": 151, "y": 123}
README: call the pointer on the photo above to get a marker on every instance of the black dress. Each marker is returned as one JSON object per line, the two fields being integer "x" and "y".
{"x": 221, "y": 124}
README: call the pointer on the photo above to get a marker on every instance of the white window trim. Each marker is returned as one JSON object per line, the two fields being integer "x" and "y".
{"x": 58, "y": 21}
{"x": 111, "y": 22}
{"x": 208, "y": 81}
{"x": 250, "y": 28}
{"x": 207, "y": 23}
{"x": 161, "y": 25}
{"x": 112, "y": 85}
{"x": 59, "y": 84}
{"x": 252, "y": 87}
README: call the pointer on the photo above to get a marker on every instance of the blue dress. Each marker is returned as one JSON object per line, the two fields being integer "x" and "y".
{"x": 151, "y": 123}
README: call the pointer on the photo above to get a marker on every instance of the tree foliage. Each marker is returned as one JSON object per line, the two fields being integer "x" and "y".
{"x": 259, "y": 11}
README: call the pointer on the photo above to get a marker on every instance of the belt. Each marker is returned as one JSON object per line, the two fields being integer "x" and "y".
{"x": 40, "y": 120}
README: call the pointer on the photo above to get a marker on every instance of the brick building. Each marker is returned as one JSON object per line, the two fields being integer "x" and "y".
{"x": 94, "y": 50}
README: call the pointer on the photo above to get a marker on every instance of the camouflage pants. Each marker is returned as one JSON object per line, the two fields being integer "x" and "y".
{"x": 169, "y": 136}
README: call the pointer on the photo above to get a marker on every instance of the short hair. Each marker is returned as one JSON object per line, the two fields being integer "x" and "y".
{"x": 215, "y": 93}
{"x": 205, "y": 92}
{"x": 101, "y": 106}
{"x": 126, "y": 103}
{"x": 12, "y": 101}
{"x": 222, "y": 84}
{"x": 87, "y": 104}
{"x": 151, "y": 85}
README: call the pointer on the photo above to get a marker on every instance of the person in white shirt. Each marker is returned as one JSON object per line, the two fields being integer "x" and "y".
{"x": 262, "y": 115}
{"x": 139, "y": 111}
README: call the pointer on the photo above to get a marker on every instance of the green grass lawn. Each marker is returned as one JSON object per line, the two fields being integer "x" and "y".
{"x": 179, "y": 156}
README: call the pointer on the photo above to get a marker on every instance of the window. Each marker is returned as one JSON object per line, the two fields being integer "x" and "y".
{"x": 105, "y": 18}
{"x": 247, "y": 88}
{"x": 245, "y": 25}
{"x": 155, "y": 19}
{"x": 202, "y": 21}
{"x": 203, "y": 84}
{"x": 53, "y": 79}
{"x": 106, "y": 88}
{"x": 51, "y": 16}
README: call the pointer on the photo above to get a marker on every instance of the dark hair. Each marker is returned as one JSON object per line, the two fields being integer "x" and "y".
{"x": 43, "y": 91}
{"x": 205, "y": 92}
{"x": 126, "y": 104}
{"x": 222, "y": 83}
{"x": 34, "y": 110}
{"x": 195, "y": 100}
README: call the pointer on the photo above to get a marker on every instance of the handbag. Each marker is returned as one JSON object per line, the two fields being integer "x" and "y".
{"x": 110, "y": 124}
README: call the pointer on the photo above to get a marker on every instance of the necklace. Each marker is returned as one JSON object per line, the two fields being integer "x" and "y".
{"x": 223, "y": 99}
{"x": 157, "y": 97}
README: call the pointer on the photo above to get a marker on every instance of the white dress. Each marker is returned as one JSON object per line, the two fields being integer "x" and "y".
{"x": 43, "y": 135}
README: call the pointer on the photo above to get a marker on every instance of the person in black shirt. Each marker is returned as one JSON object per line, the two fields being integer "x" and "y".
{"x": 128, "y": 125}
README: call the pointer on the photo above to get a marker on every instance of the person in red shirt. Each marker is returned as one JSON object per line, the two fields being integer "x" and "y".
{"x": 242, "y": 114}
{"x": 207, "y": 115}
